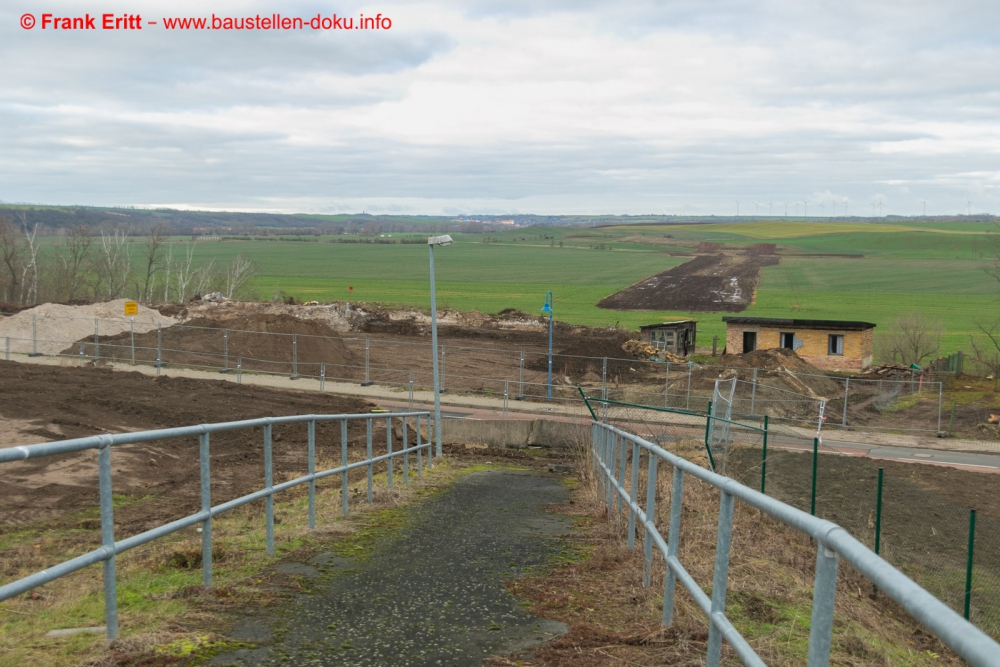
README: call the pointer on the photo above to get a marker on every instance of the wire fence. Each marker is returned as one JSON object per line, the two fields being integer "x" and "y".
{"x": 789, "y": 399}
{"x": 946, "y": 548}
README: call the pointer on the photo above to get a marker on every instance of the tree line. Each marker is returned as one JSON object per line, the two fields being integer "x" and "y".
{"x": 101, "y": 265}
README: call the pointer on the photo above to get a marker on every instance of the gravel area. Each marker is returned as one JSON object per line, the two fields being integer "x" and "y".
{"x": 433, "y": 595}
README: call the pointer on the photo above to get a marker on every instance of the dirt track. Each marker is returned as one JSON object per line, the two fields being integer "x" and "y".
{"x": 41, "y": 403}
{"x": 710, "y": 283}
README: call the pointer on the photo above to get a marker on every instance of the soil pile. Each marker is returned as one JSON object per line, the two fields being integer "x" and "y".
{"x": 57, "y": 325}
{"x": 263, "y": 342}
{"x": 780, "y": 359}
{"x": 716, "y": 283}
{"x": 586, "y": 354}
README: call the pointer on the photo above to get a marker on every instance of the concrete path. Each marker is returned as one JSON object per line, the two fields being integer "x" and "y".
{"x": 433, "y": 595}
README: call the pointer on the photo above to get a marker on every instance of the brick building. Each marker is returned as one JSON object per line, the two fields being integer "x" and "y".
{"x": 826, "y": 344}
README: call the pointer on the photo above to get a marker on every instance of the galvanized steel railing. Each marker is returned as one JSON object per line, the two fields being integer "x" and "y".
{"x": 110, "y": 547}
{"x": 610, "y": 459}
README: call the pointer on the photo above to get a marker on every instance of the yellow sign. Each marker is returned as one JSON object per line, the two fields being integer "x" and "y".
{"x": 131, "y": 308}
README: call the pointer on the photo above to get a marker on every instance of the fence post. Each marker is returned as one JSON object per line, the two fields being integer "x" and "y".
{"x": 34, "y": 336}
{"x": 131, "y": 328}
{"x": 239, "y": 370}
{"x": 97, "y": 341}
{"x": 720, "y": 577}
{"x": 812, "y": 502}
{"x": 442, "y": 383}
{"x": 269, "y": 485}
{"x": 687, "y": 405}
{"x": 673, "y": 536}
{"x": 622, "y": 462}
{"x": 632, "y": 494}
{"x": 108, "y": 542}
{"x": 609, "y": 461}
{"x": 520, "y": 380}
{"x": 312, "y": 471}
{"x": 647, "y": 567}
{"x": 159, "y": 348}
{"x": 206, "y": 506}
{"x": 367, "y": 382}
{"x": 406, "y": 455}
{"x": 81, "y": 352}
{"x": 368, "y": 423}
{"x": 295, "y": 357}
{"x": 7, "y": 349}
{"x": 322, "y": 376}
{"x": 506, "y": 389}
{"x": 847, "y": 389}
{"x": 824, "y": 596}
{"x": 389, "y": 461}
{"x": 604, "y": 379}
{"x": 763, "y": 460}
{"x": 940, "y": 400}
{"x": 420, "y": 452}
{"x": 666, "y": 387}
{"x": 410, "y": 407}
{"x": 878, "y": 520}
{"x": 968, "y": 563}
{"x": 343, "y": 463}
{"x": 753, "y": 390}
{"x": 225, "y": 349}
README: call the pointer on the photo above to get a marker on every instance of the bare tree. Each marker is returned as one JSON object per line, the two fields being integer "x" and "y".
{"x": 10, "y": 254}
{"x": 29, "y": 290}
{"x": 185, "y": 274}
{"x": 986, "y": 348}
{"x": 74, "y": 263}
{"x": 238, "y": 274}
{"x": 151, "y": 250}
{"x": 910, "y": 339}
{"x": 205, "y": 278}
{"x": 114, "y": 265}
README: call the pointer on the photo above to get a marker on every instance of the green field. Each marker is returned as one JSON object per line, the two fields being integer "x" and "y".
{"x": 933, "y": 268}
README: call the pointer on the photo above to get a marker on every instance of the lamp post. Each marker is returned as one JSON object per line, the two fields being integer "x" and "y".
{"x": 431, "y": 242}
{"x": 547, "y": 308}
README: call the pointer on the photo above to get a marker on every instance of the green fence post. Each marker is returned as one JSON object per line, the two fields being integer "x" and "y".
{"x": 763, "y": 460}
{"x": 812, "y": 504}
{"x": 878, "y": 521}
{"x": 708, "y": 425}
{"x": 968, "y": 563}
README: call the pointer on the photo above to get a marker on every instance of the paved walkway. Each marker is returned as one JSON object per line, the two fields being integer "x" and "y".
{"x": 434, "y": 595}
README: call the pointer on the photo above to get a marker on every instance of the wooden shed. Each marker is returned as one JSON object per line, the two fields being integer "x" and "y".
{"x": 827, "y": 344}
{"x": 674, "y": 337}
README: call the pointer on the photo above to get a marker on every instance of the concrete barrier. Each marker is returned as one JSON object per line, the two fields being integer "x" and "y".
{"x": 515, "y": 433}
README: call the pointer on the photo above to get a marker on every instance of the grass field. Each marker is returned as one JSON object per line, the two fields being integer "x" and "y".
{"x": 931, "y": 267}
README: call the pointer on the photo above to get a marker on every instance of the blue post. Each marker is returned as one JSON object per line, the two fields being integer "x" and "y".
{"x": 206, "y": 505}
{"x": 388, "y": 436}
{"x": 406, "y": 456}
{"x": 673, "y": 540}
{"x": 108, "y": 542}
{"x": 547, "y": 308}
{"x": 343, "y": 462}
{"x": 269, "y": 485}
{"x": 312, "y": 471}
{"x": 368, "y": 422}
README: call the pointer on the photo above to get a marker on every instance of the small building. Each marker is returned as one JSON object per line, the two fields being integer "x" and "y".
{"x": 826, "y": 344}
{"x": 674, "y": 337}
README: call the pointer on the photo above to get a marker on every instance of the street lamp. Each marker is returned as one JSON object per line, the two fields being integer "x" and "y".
{"x": 431, "y": 242}
{"x": 547, "y": 308}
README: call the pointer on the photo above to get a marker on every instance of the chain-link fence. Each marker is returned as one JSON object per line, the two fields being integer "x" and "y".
{"x": 789, "y": 399}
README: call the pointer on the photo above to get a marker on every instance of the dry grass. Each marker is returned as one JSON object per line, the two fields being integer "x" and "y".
{"x": 615, "y": 620}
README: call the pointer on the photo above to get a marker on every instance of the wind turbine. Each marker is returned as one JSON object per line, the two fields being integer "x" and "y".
{"x": 755, "y": 205}
{"x": 880, "y": 207}
{"x": 970, "y": 207}
{"x": 845, "y": 206}
{"x": 822, "y": 204}
{"x": 786, "y": 209}
{"x": 737, "y": 208}
{"x": 805, "y": 209}
{"x": 924, "y": 202}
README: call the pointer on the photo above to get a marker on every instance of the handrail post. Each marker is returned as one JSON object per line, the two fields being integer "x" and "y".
{"x": 824, "y": 595}
{"x": 343, "y": 462}
{"x": 650, "y": 516}
{"x": 812, "y": 502}
{"x": 878, "y": 520}
{"x": 673, "y": 537}
{"x": 269, "y": 485}
{"x": 206, "y": 506}
{"x": 632, "y": 494}
{"x": 312, "y": 471}
{"x": 720, "y": 578}
{"x": 406, "y": 456}
{"x": 968, "y": 563}
{"x": 420, "y": 455}
{"x": 622, "y": 463}
{"x": 108, "y": 542}
{"x": 611, "y": 462}
{"x": 368, "y": 424}
{"x": 389, "y": 461}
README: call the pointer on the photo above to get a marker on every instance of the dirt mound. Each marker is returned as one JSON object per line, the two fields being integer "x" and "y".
{"x": 263, "y": 342}
{"x": 56, "y": 325}
{"x": 797, "y": 375}
{"x": 717, "y": 283}
{"x": 586, "y": 354}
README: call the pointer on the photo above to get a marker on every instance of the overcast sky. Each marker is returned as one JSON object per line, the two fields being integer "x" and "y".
{"x": 511, "y": 106}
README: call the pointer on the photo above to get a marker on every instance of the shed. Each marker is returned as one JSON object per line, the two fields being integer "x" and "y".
{"x": 675, "y": 337}
{"x": 826, "y": 344}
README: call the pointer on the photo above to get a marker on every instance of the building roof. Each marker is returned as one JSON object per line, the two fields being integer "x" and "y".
{"x": 801, "y": 324}
{"x": 667, "y": 324}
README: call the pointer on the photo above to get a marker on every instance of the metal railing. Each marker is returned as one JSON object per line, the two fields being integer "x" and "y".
{"x": 111, "y": 547}
{"x": 611, "y": 461}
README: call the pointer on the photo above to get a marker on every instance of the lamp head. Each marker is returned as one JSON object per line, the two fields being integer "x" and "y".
{"x": 546, "y": 309}
{"x": 440, "y": 240}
